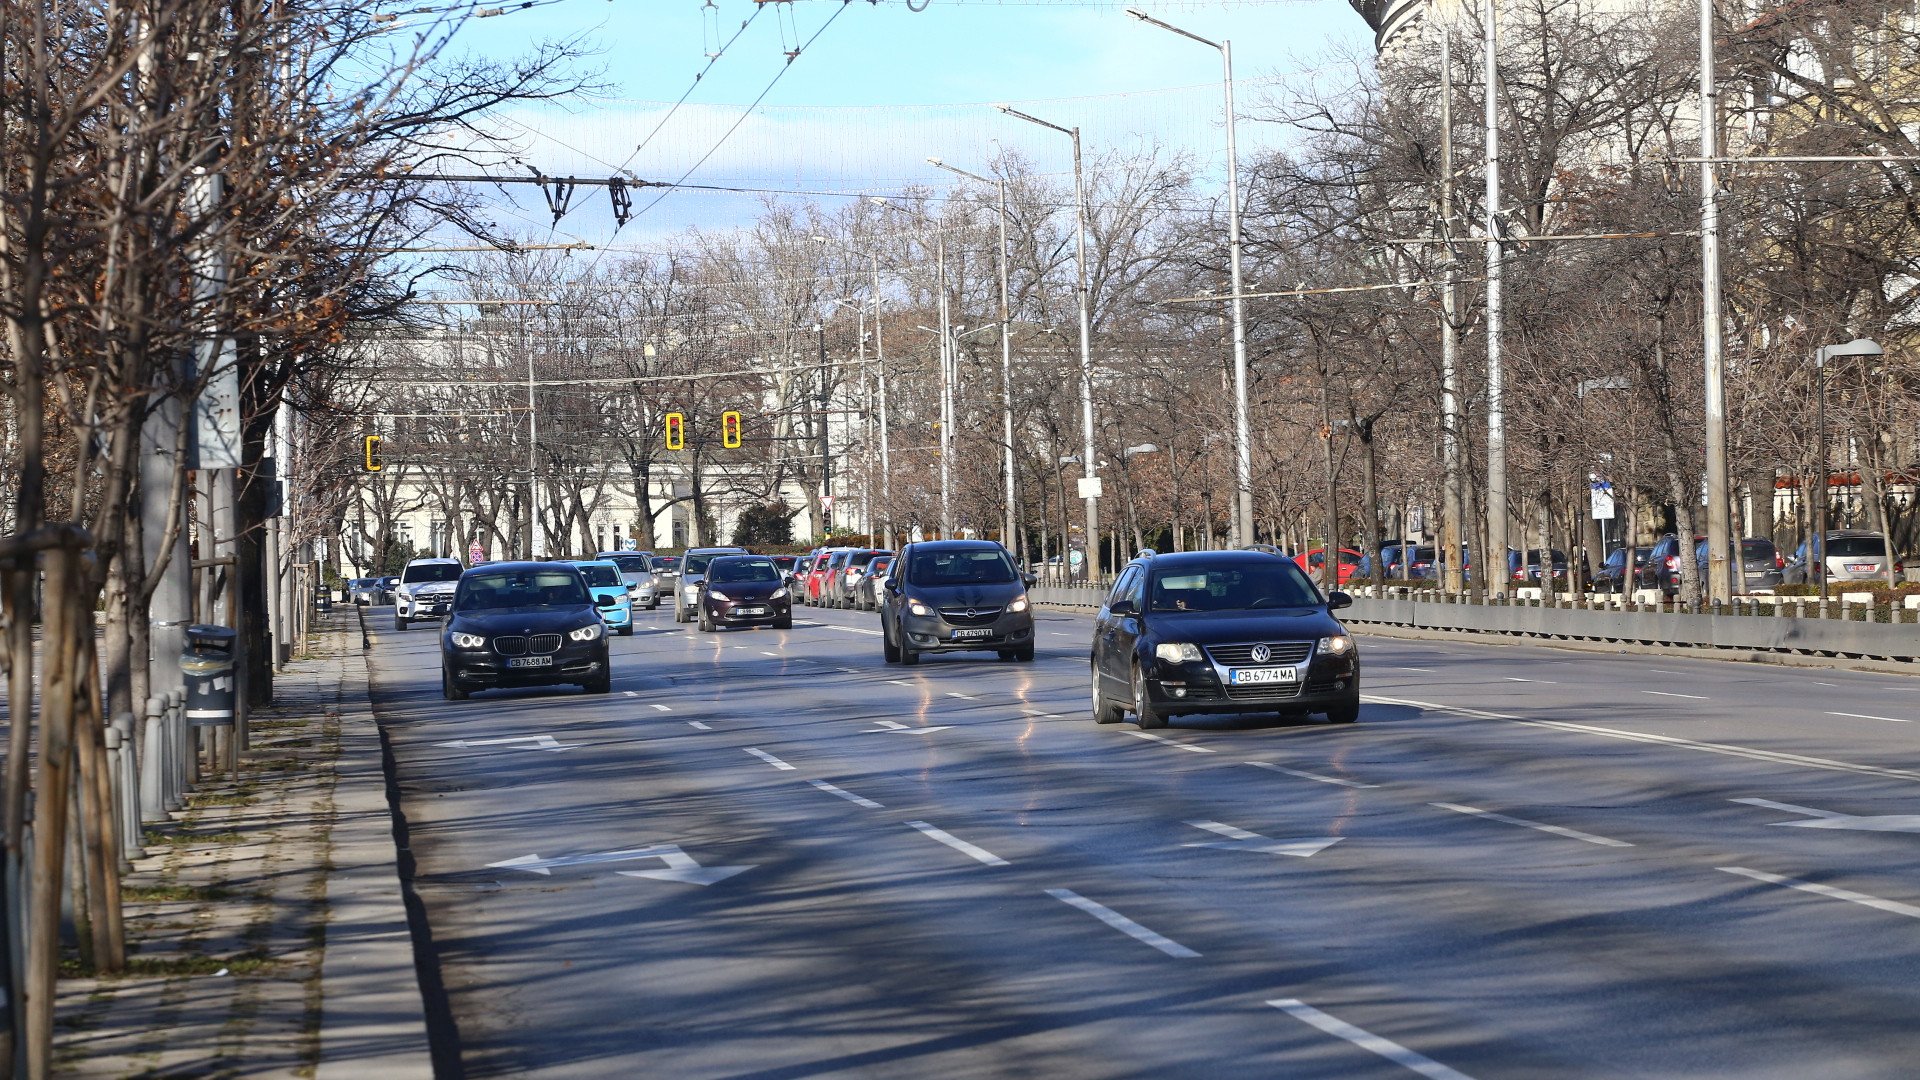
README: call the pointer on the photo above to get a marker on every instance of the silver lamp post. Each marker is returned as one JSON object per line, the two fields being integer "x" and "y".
{"x": 1242, "y": 434}
{"x": 1817, "y": 544}
{"x": 1086, "y": 337}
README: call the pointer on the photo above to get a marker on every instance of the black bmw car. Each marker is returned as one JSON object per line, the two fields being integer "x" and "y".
{"x": 523, "y": 624}
{"x": 1221, "y": 632}
{"x": 744, "y": 590}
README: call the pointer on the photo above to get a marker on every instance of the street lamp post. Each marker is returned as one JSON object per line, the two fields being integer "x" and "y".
{"x": 826, "y": 456}
{"x": 1010, "y": 525}
{"x": 1086, "y": 336}
{"x": 1242, "y": 433}
{"x": 1817, "y": 544}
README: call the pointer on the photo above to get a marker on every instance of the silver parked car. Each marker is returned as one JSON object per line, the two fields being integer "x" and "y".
{"x": 1850, "y": 555}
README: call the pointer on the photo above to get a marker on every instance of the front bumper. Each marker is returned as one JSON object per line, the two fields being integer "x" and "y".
{"x": 1200, "y": 686}
{"x": 732, "y": 612}
{"x": 432, "y": 606}
{"x": 617, "y": 616}
{"x": 575, "y": 662}
{"x": 933, "y": 633}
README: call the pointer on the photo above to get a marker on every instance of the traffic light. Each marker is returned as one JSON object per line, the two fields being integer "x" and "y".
{"x": 372, "y": 462}
{"x": 676, "y": 431}
{"x": 730, "y": 429}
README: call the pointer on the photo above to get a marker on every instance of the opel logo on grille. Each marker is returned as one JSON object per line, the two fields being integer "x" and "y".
{"x": 971, "y": 614}
{"x": 1262, "y": 654}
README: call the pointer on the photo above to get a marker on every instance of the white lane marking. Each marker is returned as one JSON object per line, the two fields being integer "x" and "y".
{"x": 1403, "y": 667}
{"x": 1663, "y": 693}
{"x": 1367, "y": 1040}
{"x": 1835, "y": 685}
{"x": 1123, "y": 924}
{"x": 1304, "y": 775}
{"x": 1789, "y": 808}
{"x": 850, "y": 629}
{"x": 895, "y": 727}
{"x": 1546, "y": 682}
{"x": 764, "y": 652}
{"x": 769, "y": 759}
{"x": 858, "y": 800}
{"x": 1661, "y": 740}
{"x": 900, "y": 682}
{"x": 631, "y": 693}
{"x": 697, "y": 725}
{"x": 849, "y": 671}
{"x": 1057, "y": 633}
{"x": 1669, "y": 671}
{"x": 1540, "y": 825}
{"x": 738, "y": 646}
{"x": 972, "y": 850}
{"x": 1239, "y": 839}
{"x": 1827, "y": 819}
{"x": 661, "y": 708}
{"x": 1163, "y": 739}
{"x": 1864, "y": 716}
{"x": 1894, "y": 906}
{"x": 962, "y": 697}
{"x": 540, "y": 742}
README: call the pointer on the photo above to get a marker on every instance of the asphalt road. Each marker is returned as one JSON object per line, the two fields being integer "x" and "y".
{"x": 1519, "y": 863}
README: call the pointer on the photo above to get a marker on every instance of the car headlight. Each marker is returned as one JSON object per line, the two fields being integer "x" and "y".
{"x": 468, "y": 641}
{"x": 718, "y": 595}
{"x": 1019, "y": 604}
{"x": 1176, "y": 652}
{"x": 1337, "y": 645}
{"x": 915, "y": 607}
{"x": 585, "y": 633}
{"x": 778, "y": 594}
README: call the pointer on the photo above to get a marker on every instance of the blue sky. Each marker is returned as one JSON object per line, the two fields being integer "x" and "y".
{"x": 884, "y": 87}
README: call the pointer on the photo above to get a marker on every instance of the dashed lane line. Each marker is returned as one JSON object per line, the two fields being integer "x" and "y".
{"x": 973, "y": 851}
{"x": 1669, "y": 693}
{"x": 661, "y": 708}
{"x": 961, "y": 696}
{"x": 698, "y": 726}
{"x": 857, "y": 800}
{"x": 1864, "y": 716}
{"x": 1304, "y": 775}
{"x": 1170, "y": 742}
{"x": 769, "y": 759}
{"x": 1123, "y": 924}
{"x": 1863, "y": 899}
{"x": 1368, "y": 1041}
{"x": 1542, "y": 826}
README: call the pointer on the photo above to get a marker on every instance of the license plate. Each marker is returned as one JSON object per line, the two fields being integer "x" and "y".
{"x": 1251, "y": 676}
{"x": 985, "y": 631}
{"x": 750, "y": 611}
{"x": 1862, "y": 567}
{"x": 530, "y": 661}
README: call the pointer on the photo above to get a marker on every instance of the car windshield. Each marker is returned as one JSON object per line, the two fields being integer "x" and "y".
{"x": 1856, "y": 547}
{"x": 361, "y": 582}
{"x": 722, "y": 571}
{"x": 630, "y": 564}
{"x": 963, "y": 566}
{"x": 1237, "y": 587}
{"x": 600, "y": 575}
{"x": 493, "y": 590}
{"x": 432, "y": 572}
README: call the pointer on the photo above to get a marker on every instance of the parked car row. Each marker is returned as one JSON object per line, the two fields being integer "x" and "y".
{"x": 834, "y": 577}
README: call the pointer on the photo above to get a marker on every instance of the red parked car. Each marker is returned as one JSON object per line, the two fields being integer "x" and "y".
{"x": 814, "y": 583}
{"x": 1313, "y": 561}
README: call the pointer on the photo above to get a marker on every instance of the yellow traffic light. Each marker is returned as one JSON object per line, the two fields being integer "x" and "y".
{"x": 676, "y": 431}
{"x": 371, "y": 445}
{"x": 730, "y": 429}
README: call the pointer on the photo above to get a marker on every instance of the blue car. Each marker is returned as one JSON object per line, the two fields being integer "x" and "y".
{"x": 609, "y": 591}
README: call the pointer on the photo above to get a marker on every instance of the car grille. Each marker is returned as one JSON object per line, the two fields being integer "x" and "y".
{"x": 1283, "y": 652}
{"x": 510, "y": 646}
{"x": 1264, "y": 692}
{"x": 969, "y": 616}
{"x": 541, "y": 644}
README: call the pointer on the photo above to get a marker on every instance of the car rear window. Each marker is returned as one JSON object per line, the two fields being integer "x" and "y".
{"x": 432, "y": 572}
{"x": 1237, "y": 587}
{"x": 965, "y": 566}
{"x": 520, "y": 588}
{"x": 862, "y": 558}
{"x": 600, "y": 576}
{"x": 630, "y": 564}
{"x": 1856, "y": 547}
{"x": 666, "y": 563}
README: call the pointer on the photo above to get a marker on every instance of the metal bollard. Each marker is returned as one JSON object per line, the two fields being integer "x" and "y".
{"x": 180, "y": 776}
{"x": 153, "y": 761}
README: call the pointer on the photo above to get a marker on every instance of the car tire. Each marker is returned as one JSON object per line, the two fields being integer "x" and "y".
{"x": 706, "y": 621}
{"x": 1104, "y": 711}
{"x": 447, "y": 688}
{"x": 785, "y": 622}
{"x": 599, "y": 684}
{"x": 909, "y": 655}
{"x": 400, "y": 622}
{"x": 887, "y": 648}
{"x": 627, "y": 630}
{"x": 1024, "y": 654}
{"x": 1346, "y": 712}
{"x": 1148, "y": 717}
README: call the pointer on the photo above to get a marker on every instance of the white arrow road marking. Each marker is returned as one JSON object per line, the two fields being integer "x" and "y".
{"x": 1150, "y": 736}
{"x": 698, "y": 726}
{"x": 1123, "y": 924}
{"x": 1242, "y": 840}
{"x": 1304, "y": 775}
{"x": 1894, "y": 906}
{"x": 536, "y": 865}
{"x": 1864, "y": 716}
{"x": 769, "y": 759}
{"x": 1556, "y": 830}
{"x": 857, "y": 800}
{"x": 1367, "y": 1040}
{"x": 959, "y": 845}
{"x": 1827, "y": 819}
{"x": 683, "y": 868}
{"x": 661, "y": 708}
{"x": 895, "y": 727}
{"x": 540, "y": 742}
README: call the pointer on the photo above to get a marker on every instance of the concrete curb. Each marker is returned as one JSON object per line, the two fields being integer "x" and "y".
{"x": 373, "y": 1018}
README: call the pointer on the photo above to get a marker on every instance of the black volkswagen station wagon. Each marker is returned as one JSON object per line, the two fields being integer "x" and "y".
{"x": 954, "y": 595}
{"x": 1221, "y": 632}
{"x": 523, "y": 624}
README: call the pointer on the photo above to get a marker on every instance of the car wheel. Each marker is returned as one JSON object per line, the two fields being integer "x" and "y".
{"x": 887, "y": 648}
{"x": 447, "y": 688}
{"x": 1024, "y": 654}
{"x": 599, "y": 684}
{"x": 784, "y": 622}
{"x": 1144, "y": 713}
{"x": 1346, "y": 712}
{"x": 706, "y": 621}
{"x": 1104, "y": 711}
{"x": 399, "y": 622}
{"x": 627, "y": 630}
{"x": 909, "y": 655}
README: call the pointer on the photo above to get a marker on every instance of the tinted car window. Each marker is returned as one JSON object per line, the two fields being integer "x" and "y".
{"x": 975, "y": 566}
{"x": 862, "y": 558}
{"x": 1124, "y": 587}
{"x": 600, "y": 576}
{"x": 667, "y": 563}
{"x": 432, "y": 572}
{"x": 630, "y": 564}
{"x": 725, "y": 570}
{"x": 1232, "y": 588}
{"x": 697, "y": 564}
{"x": 1854, "y": 547}
{"x": 520, "y": 588}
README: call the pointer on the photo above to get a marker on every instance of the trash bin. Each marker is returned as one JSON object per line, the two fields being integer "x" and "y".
{"x": 322, "y": 598}
{"x": 207, "y": 665}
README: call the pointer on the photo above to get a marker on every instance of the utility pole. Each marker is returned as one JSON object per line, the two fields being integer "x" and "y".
{"x": 826, "y": 459}
{"x": 534, "y": 545}
{"x": 1719, "y": 520}
{"x": 1493, "y": 562}
{"x": 880, "y": 363}
{"x": 947, "y": 349}
{"x": 1452, "y": 512}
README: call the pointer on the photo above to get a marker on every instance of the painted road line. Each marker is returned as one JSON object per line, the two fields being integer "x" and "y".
{"x": 1542, "y": 826}
{"x": 1402, "y": 667}
{"x": 1875, "y": 902}
{"x": 900, "y": 682}
{"x": 850, "y": 629}
{"x": 1123, "y": 924}
{"x": 1056, "y": 633}
{"x": 764, "y": 652}
{"x": 661, "y": 708}
{"x": 1669, "y": 671}
{"x": 1304, "y": 775}
{"x": 1367, "y": 1040}
{"x": 632, "y": 693}
{"x": 1864, "y": 716}
{"x": 698, "y": 726}
{"x": 857, "y": 800}
{"x": 849, "y": 671}
{"x": 961, "y": 696}
{"x": 1788, "y": 807}
{"x": 1664, "y": 693}
{"x": 769, "y": 759}
{"x": 1163, "y": 739}
{"x": 959, "y": 845}
{"x": 1749, "y": 752}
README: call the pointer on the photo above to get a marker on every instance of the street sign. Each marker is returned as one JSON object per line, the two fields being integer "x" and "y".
{"x": 476, "y": 554}
{"x": 1089, "y": 487}
{"x": 1602, "y": 497}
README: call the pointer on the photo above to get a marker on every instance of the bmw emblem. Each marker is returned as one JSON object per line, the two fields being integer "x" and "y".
{"x": 1262, "y": 654}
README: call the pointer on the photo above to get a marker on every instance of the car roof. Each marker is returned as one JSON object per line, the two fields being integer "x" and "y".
{"x": 717, "y": 551}
{"x": 958, "y": 545}
{"x": 1177, "y": 559}
{"x": 595, "y": 562}
{"x": 520, "y": 564}
{"x": 423, "y": 562}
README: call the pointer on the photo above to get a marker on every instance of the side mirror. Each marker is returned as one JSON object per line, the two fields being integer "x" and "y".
{"x": 1337, "y": 600}
{"x": 1121, "y": 607}
{"x": 893, "y": 584}
{"x": 1030, "y": 578}
{"x": 606, "y": 601}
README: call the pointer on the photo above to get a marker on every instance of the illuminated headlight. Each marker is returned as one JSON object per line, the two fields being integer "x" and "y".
{"x": 1018, "y": 605}
{"x": 1337, "y": 645}
{"x": 778, "y": 594}
{"x": 468, "y": 641}
{"x": 585, "y": 633}
{"x": 915, "y": 607}
{"x": 718, "y": 595}
{"x": 1176, "y": 652}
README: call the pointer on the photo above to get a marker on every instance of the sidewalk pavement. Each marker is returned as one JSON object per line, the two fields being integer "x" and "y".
{"x": 266, "y": 932}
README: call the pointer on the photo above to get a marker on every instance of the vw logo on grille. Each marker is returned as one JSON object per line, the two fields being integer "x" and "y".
{"x": 1262, "y": 654}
